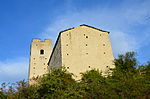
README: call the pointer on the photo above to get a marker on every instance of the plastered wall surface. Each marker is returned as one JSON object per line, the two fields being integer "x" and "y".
{"x": 38, "y": 58}
{"x": 83, "y": 48}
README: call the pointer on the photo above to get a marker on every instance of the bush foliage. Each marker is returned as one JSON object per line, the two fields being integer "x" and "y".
{"x": 127, "y": 81}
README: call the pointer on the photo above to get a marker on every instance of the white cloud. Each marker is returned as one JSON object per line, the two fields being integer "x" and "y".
{"x": 14, "y": 69}
{"x": 119, "y": 21}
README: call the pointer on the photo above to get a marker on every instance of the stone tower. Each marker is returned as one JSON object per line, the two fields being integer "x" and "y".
{"x": 40, "y": 52}
{"x": 82, "y": 48}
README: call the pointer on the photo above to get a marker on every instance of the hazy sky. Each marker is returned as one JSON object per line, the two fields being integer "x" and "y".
{"x": 128, "y": 22}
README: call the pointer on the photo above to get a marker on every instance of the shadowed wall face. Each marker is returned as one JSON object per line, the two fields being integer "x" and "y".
{"x": 39, "y": 57}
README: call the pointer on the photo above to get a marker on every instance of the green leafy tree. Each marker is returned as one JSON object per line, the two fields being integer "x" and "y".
{"x": 128, "y": 80}
{"x": 2, "y": 96}
{"x": 58, "y": 84}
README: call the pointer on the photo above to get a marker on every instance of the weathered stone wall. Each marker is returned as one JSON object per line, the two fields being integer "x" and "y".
{"x": 38, "y": 58}
{"x": 83, "y": 48}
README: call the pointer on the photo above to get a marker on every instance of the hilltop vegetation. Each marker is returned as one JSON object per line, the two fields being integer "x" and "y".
{"x": 127, "y": 81}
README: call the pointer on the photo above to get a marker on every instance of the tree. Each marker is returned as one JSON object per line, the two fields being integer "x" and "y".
{"x": 57, "y": 85}
{"x": 2, "y": 96}
{"x": 128, "y": 81}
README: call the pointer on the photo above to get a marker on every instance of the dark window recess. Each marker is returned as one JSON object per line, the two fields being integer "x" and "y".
{"x": 86, "y": 36}
{"x": 107, "y": 66}
{"x": 104, "y": 53}
{"x": 89, "y": 66}
{"x": 67, "y": 54}
{"x": 103, "y": 44}
{"x": 67, "y": 67}
{"x": 41, "y": 51}
{"x": 34, "y": 58}
{"x": 44, "y": 63}
{"x": 100, "y": 35}
{"x": 33, "y": 67}
{"x": 86, "y": 53}
{"x": 67, "y": 34}
{"x": 66, "y": 44}
{"x": 44, "y": 68}
{"x": 86, "y": 44}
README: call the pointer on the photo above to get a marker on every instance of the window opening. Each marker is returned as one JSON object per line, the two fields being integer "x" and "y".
{"x": 41, "y": 51}
{"x": 86, "y": 36}
{"x": 86, "y": 44}
{"x": 67, "y": 67}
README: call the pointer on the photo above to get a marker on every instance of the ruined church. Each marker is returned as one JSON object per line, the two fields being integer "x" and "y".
{"x": 78, "y": 49}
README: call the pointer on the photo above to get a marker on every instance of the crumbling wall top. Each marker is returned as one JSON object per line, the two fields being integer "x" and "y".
{"x": 40, "y": 40}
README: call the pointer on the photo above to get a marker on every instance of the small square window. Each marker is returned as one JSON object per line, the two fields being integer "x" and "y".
{"x": 89, "y": 66}
{"x": 67, "y": 67}
{"x": 103, "y": 44}
{"x": 104, "y": 53}
{"x": 41, "y": 51}
{"x": 67, "y": 54}
{"x": 86, "y": 53}
{"x": 33, "y": 67}
{"x": 86, "y": 44}
{"x": 86, "y": 36}
{"x": 66, "y": 44}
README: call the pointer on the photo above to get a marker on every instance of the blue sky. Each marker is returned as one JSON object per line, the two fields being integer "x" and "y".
{"x": 22, "y": 20}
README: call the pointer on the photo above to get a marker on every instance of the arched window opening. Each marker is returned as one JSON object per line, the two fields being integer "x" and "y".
{"x": 41, "y": 51}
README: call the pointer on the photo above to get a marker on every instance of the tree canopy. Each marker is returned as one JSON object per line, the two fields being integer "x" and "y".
{"x": 127, "y": 80}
